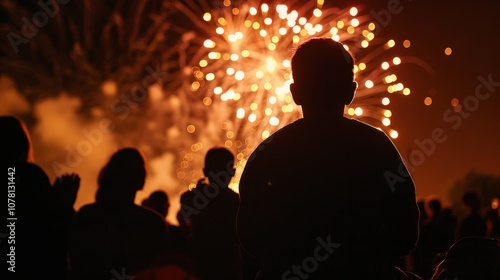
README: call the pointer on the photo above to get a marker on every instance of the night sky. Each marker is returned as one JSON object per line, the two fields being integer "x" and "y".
{"x": 465, "y": 141}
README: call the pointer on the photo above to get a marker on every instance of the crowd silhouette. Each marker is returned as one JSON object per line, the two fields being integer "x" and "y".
{"x": 303, "y": 211}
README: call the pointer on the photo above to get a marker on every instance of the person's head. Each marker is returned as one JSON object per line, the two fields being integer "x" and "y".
{"x": 470, "y": 258}
{"x": 323, "y": 77}
{"x": 447, "y": 214}
{"x": 158, "y": 201}
{"x": 433, "y": 206}
{"x": 122, "y": 176}
{"x": 219, "y": 164}
{"x": 17, "y": 146}
{"x": 471, "y": 200}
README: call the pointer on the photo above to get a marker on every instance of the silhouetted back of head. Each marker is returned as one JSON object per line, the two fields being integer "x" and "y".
{"x": 323, "y": 69}
{"x": 217, "y": 160}
{"x": 435, "y": 206}
{"x": 17, "y": 145}
{"x": 158, "y": 201}
{"x": 471, "y": 200}
{"x": 122, "y": 176}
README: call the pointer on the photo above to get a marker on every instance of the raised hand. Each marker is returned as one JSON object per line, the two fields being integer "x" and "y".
{"x": 66, "y": 187}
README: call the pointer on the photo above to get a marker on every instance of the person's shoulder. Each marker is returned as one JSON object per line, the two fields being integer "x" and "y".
{"x": 151, "y": 220}
{"x": 370, "y": 133}
{"x": 186, "y": 196}
{"x": 32, "y": 177}
{"x": 31, "y": 169}
{"x": 287, "y": 134}
{"x": 365, "y": 127}
{"x": 147, "y": 213}
{"x": 287, "y": 130}
{"x": 87, "y": 209}
{"x": 86, "y": 215}
{"x": 143, "y": 210}
{"x": 231, "y": 193}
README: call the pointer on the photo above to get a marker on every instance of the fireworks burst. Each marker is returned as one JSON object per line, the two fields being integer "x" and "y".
{"x": 228, "y": 65}
{"x": 242, "y": 68}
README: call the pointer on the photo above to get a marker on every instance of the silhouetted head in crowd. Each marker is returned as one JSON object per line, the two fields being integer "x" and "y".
{"x": 17, "y": 146}
{"x": 470, "y": 258}
{"x": 323, "y": 77}
{"x": 219, "y": 165}
{"x": 422, "y": 212}
{"x": 121, "y": 177}
{"x": 472, "y": 201}
{"x": 434, "y": 206}
{"x": 447, "y": 214}
{"x": 158, "y": 201}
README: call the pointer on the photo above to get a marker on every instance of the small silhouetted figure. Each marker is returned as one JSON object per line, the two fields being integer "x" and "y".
{"x": 41, "y": 212}
{"x": 470, "y": 258}
{"x": 450, "y": 222}
{"x": 473, "y": 224}
{"x": 326, "y": 197}
{"x": 423, "y": 213}
{"x": 159, "y": 202}
{"x": 114, "y": 236}
{"x": 210, "y": 210}
{"x": 436, "y": 236}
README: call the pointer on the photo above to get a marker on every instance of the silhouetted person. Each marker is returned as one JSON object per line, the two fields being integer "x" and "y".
{"x": 470, "y": 258}
{"x": 450, "y": 222}
{"x": 41, "y": 213}
{"x": 211, "y": 210}
{"x": 326, "y": 197}
{"x": 159, "y": 202}
{"x": 473, "y": 224}
{"x": 113, "y": 236}
{"x": 436, "y": 236}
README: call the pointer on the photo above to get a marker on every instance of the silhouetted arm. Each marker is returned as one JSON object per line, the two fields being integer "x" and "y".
{"x": 399, "y": 209}
{"x": 253, "y": 221}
